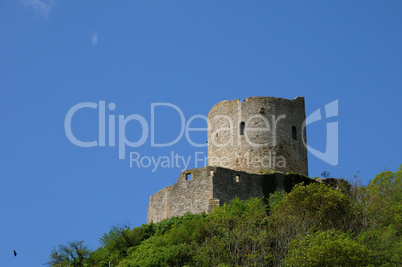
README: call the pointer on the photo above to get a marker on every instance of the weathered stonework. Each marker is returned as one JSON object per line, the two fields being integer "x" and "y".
{"x": 243, "y": 138}
{"x": 259, "y": 133}
{"x": 184, "y": 196}
{"x": 213, "y": 186}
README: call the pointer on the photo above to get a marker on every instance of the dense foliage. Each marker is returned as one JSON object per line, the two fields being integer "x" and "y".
{"x": 313, "y": 225}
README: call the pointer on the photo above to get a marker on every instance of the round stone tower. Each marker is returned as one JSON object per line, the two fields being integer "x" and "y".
{"x": 259, "y": 133}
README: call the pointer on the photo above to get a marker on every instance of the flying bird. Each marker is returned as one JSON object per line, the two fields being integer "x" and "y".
{"x": 15, "y": 253}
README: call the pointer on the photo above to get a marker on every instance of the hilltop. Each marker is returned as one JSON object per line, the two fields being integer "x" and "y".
{"x": 312, "y": 225}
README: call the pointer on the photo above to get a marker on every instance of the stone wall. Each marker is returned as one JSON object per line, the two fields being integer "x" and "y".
{"x": 259, "y": 133}
{"x": 188, "y": 194}
{"x": 229, "y": 184}
{"x": 213, "y": 186}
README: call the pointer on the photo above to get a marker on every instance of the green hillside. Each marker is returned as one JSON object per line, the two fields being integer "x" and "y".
{"x": 312, "y": 225}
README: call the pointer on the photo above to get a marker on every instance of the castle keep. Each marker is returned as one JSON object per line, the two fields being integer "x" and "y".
{"x": 254, "y": 132}
{"x": 243, "y": 138}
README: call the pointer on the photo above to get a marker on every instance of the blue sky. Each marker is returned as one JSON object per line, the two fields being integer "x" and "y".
{"x": 193, "y": 54}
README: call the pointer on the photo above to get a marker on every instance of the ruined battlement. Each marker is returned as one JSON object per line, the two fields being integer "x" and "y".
{"x": 200, "y": 190}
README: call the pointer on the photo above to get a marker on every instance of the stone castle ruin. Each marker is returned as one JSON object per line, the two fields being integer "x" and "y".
{"x": 261, "y": 133}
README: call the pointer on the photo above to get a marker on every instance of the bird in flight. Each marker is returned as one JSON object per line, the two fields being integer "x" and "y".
{"x": 15, "y": 253}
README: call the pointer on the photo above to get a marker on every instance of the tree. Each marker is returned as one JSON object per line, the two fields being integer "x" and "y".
{"x": 380, "y": 210}
{"x": 275, "y": 198}
{"x": 116, "y": 243}
{"x": 306, "y": 209}
{"x": 385, "y": 190}
{"x": 71, "y": 255}
{"x": 385, "y": 243}
{"x": 236, "y": 234}
{"x": 170, "y": 245}
{"x": 327, "y": 248}
{"x": 328, "y": 208}
{"x": 325, "y": 174}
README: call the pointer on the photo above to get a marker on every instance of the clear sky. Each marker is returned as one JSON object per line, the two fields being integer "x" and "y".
{"x": 56, "y": 54}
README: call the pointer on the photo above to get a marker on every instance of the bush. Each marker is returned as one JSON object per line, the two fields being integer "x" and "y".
{"x": 236, "y": 234}
{"x": 327, "y": 248}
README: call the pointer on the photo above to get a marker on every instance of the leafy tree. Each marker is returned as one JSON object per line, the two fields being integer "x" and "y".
{"x": 71, "y": 255}
{"x": 236, "y": 234}
{"x": 116, "y": 243}
{"x": 327, "y": 208}
{"x": 380, "y": 212}
{"x": 385, "y": 243}
{"x": 327, "y": 248}
{"x": 109, "y": 238}
{"x": 378, "y": 204}
{"x": 275, "y": 198}
{"x": 385, "y": 192}
{"x": 306, "y": 209}
{"x": 171, "y": 245}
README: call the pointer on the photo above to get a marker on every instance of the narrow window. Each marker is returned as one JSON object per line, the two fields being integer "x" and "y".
{"x": 237, "y": 178}
{"x": 242, "y": 126}
{"x": 294, "y": 133}
{"x": 188, "y": 176}
{"x": 211, "y": 173}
